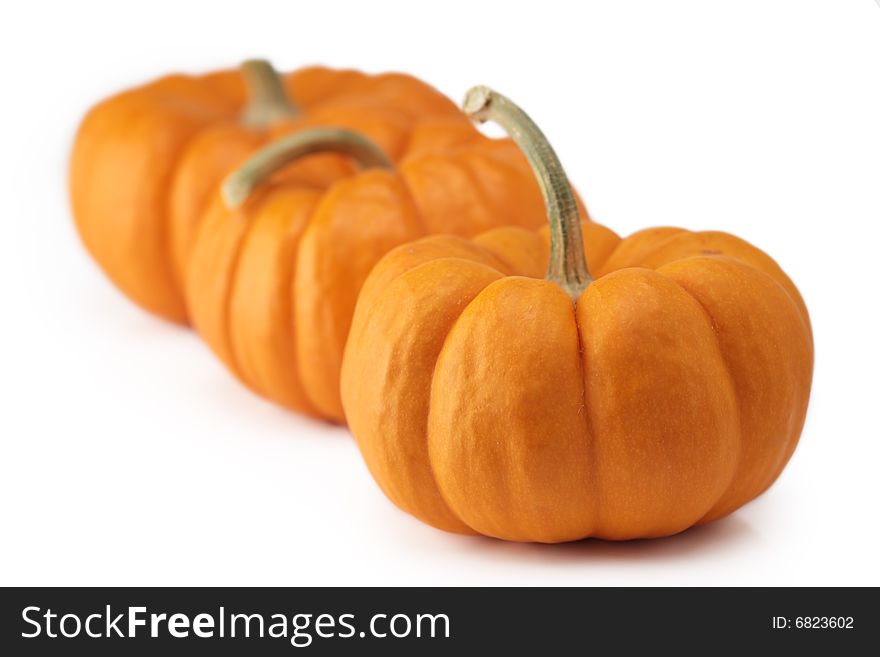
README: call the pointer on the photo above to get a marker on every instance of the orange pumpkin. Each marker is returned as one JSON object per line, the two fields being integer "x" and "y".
{"x": 146, "y": 162}
{"x": 272, "y": 285}
{"x": 670, "y": 393}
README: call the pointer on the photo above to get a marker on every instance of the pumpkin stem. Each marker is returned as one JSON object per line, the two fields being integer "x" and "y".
{"x": 268, "y": 101}
{"x": 568, "y": 265}
{"x": 238, "y": 186}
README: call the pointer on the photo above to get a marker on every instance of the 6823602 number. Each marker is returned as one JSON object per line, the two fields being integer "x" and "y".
{"x": 824, "y": 622}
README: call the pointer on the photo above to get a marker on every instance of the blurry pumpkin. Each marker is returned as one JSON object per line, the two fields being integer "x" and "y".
{"x": 146, "y": 162}
{"x": 666, "y": 390}
{"x": 272, "y": 282}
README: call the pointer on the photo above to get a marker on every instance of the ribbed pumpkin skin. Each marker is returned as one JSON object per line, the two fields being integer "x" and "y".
{"x": 272, "y": 287}
{"x": 483, "y": 401}
{"x": 146, "y": 162}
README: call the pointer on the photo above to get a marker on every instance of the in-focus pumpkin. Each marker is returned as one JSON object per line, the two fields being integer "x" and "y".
{"x": 665, "y": 392}
{"x": 272, "y": 284}
{"x": 146, "y": 162}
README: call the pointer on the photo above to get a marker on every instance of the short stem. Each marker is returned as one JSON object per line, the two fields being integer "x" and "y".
{"x": 267, "y": 99}
{"x": 238, "y": 186}
{"x": 568, "y": 264}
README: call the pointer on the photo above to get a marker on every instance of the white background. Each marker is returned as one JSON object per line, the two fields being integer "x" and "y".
{"x": 130, "y": 457}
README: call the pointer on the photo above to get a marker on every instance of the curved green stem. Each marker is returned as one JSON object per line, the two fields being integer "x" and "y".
{"x": 267, "y": 99}
{"x": 238, "y": 186}
{"x": 568, "y": 264}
